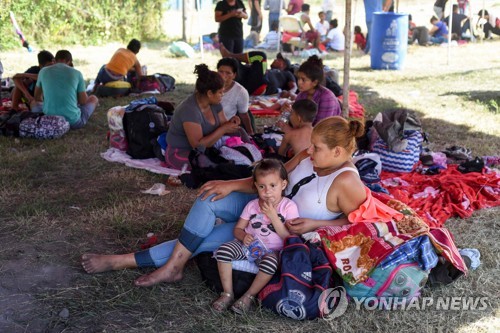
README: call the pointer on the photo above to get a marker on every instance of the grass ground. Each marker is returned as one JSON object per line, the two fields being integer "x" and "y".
{"x": 59, "y": 199}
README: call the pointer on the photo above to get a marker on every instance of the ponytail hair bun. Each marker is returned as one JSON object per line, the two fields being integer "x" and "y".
{"x": 207, "y": 80}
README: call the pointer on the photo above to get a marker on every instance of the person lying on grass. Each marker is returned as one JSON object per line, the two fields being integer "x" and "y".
{"x": 331, "y": 189}
{"x": 260, "y": 228}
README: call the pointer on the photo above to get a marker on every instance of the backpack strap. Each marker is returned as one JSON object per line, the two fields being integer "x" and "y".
{"x": 302, "y": 182}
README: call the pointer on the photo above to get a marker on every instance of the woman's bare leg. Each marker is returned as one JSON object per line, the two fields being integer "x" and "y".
{"x": 98, "y": 263}
{"x": 243, "y": 57}
{"x": 171, "y": 272}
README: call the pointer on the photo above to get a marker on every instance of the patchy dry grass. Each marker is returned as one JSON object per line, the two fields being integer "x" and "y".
{"x": 59, "y": 199}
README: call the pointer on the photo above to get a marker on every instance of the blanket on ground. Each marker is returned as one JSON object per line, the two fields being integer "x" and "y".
{"x": 355, "y": 250}
{"x": 450, "y": 193}
{"x": 149, "y": 164}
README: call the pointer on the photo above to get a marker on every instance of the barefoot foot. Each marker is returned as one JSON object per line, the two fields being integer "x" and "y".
{"x": 160, "y": 275}
{"x": 96, "y": 263}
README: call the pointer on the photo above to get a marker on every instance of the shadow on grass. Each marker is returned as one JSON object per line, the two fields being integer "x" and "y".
{"x": 490, "y": 98}
{"x": 70, "y": 173}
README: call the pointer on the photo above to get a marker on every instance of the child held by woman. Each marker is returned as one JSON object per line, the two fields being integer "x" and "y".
{"x": 262, "y": 220}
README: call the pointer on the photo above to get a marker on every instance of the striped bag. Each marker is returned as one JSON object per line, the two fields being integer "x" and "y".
{"x": 403, "y": 161}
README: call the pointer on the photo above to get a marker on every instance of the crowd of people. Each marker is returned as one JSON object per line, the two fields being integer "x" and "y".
{"x": 319, "y": 142}
{"x": 327, "y": 35}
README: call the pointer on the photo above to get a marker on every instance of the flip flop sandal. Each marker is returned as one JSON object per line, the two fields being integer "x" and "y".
{"x": 459, "y": 153}
{"x": 240, "y": 307}
{"x": 222, "y": 303}
{"x": 474, "y": 255}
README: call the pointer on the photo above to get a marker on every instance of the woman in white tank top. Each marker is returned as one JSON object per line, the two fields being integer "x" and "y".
{"x": 323, "y": 183}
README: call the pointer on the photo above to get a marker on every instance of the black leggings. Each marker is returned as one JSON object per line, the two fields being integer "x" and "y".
{"x": 233, "y": 250}
{"x": 251, "y": 75}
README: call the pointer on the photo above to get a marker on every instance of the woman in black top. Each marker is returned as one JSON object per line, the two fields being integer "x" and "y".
{"x": 229, "y": 14}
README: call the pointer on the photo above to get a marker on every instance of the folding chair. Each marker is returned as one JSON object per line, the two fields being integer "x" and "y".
{"x": 292, "y": 32}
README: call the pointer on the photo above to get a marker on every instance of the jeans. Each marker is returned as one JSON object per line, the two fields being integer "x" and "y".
{"x": 86, "y": 110}
{"x": 368, "y": 37}
{"x": 199, "y": 233}
{"x": 273, "y": 17}
{"x": 439, "y": 40}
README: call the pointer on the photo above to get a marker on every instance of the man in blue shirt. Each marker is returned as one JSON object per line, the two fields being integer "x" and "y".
{"x": 439, "y": 31}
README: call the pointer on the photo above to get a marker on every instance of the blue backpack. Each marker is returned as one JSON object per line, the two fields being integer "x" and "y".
{"x": 398, "y": 283}
{"x": 295, "y": 291}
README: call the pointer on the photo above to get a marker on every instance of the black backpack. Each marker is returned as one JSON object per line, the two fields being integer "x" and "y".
{"x": 142, "y": 128}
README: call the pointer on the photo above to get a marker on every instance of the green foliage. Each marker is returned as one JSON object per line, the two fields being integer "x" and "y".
{"x": 90, "y": 22}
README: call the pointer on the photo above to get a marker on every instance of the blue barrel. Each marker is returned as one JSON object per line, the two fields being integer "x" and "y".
{"x": 388, "y": 40}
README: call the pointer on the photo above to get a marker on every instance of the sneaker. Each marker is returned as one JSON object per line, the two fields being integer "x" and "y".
{"x": 474, "y": 255}
{"x": 475, "y": 165}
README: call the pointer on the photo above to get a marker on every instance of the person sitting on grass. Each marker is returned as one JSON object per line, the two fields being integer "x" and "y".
{"x": 235, "y": 99}
{"x": 359, "y": 38}
{"x": 439, "y": 31}
{"x": 199, "y": 120}
{"x": 60, "y": 91}
{"x": 263, "y": 219}
{"x": 122, "y": 61}
{"x": 335, "y": 39}
{"x": 309, "y": 78}
{"x": 24, "y": 89}
{"x": 298, "y": 137}
{"x": 328, "y": 160}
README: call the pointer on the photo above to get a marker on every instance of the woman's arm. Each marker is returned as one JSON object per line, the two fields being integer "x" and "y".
{"x": 301, "y": 225}
{"x": 219, "y": 17}
{"x": 195, "y": 136}
{"x": 222, "y": 188}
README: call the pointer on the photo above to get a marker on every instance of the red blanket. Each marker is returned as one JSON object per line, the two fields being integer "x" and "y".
{"x": 436, "y": 198}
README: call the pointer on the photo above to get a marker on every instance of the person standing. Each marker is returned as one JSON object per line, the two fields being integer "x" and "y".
{"x": 60, "y": 91}
{"x": 294, "y": 7}
{"x": 327, "y": 8}
{"x": 372, "y": 6}
{"x": 439, "y": 7}
{"x": 255, "y": 20}
{"x": 274, "y": 7}
{"x": 229, "y": 14}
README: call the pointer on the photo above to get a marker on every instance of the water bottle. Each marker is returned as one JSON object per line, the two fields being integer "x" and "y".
{"x": 284, "y": 117}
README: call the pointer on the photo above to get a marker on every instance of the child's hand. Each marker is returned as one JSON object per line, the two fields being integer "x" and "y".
{"x": 269, "y": 209}
{"x": 247, "y": 240}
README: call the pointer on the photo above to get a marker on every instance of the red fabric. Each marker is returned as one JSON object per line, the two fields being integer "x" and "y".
{"x": 356, "y": 110}
{"x": 459, "y": 194}
{"x": 265, "y": 112}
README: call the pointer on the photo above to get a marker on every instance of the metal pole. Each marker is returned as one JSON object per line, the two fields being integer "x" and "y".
{"x": 450, "y": 18}
{"x": 198, "y": 2}
{"x": 347, "y": 58}
{"x": 279, "y": 27}
{"x": 184, "y": 20}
